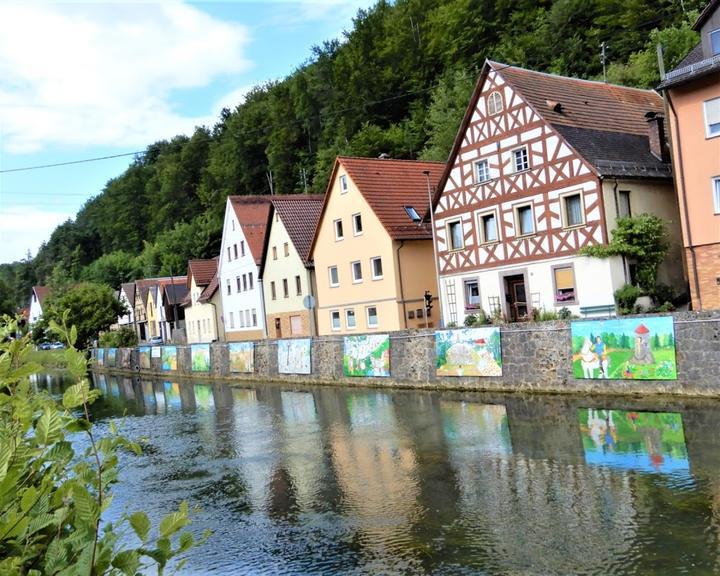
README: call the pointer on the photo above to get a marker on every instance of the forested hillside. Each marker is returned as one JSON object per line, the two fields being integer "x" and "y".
{"x": 398, "y": 83}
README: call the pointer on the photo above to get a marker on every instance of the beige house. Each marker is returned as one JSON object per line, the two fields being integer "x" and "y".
{"x": 203, "y": 306}
{"x": 286, "y": 271}
{"x": 692, "y": 94}
{"x": 373, "y": 249}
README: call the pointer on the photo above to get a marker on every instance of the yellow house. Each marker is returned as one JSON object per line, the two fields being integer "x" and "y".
{"x": 286, "y": 270}
{"x": 203, "y": 306}
{"x": 373, "y": 248}
{"x": 152, "y": 311}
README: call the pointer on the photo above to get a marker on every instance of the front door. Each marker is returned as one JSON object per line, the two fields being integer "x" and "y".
{"x": 516, "y": 297}
{"x": 278, "y": 330}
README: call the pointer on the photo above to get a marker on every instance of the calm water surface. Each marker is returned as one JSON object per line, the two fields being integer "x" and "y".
{"x": 305, "y": 480}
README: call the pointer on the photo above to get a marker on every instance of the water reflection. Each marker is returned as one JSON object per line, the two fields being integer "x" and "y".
{"x": 336, "y": 480}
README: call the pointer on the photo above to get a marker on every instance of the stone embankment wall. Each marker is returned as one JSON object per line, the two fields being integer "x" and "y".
{"x": 536, "y": 357}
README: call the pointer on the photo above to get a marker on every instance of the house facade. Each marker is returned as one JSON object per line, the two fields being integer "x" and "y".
{"x": 287, "y": 272}
{"x": 373, "y": 249}
{"x": 203, "y": 303}
{"x": 542, "y": 166}
{"x": 692, "y": 94}
{"x": 171, "y": 314}
{"x": 241, "y": 291}
{"x": 37, "y": 299}
{"x": 126, "y": 296}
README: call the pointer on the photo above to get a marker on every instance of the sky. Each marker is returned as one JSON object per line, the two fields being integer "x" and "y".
{"x": 91, "y": 79}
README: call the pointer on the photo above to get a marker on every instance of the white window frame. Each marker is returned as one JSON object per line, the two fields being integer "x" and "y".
{"x": 517, "y": 170}
{"x": 343, "y": 183}
{"x": 372, "y": 268}
{"x": 339, "y": 320}
{"x": 716, "y": 194}
{"x": 564, "y": 211}
{"x": 286, "y": 249}
{"x": 330, "y": 276}
{"x": 367, "y": 317}
{"x": 481, "y": 226}
{"x": 232, "y": 322}
{"x": 341, "y": 236}
{"x": 494, "y": 105}
{"x": 356, "y": 279}
{"x": 274, "y": 252}
{"x": 516, "y": 212}
{"x": 350, "y": 312}
{"x": 484, "y": 162}
{"x": 448, "y": 232}
{"x": 357, "y": 217}
{"x": 708, "y": 133}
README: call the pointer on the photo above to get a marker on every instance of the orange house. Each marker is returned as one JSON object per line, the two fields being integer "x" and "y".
{"x": 692, "y": 94}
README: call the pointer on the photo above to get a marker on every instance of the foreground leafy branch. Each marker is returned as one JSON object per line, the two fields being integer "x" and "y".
{"x": 51, "y": 499}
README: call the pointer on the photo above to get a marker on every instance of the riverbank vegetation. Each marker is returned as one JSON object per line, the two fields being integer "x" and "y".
{"x": 398, "y": 83}
{"x": 52, "y": 497}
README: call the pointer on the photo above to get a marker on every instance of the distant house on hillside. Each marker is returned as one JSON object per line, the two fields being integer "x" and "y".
{"x": 543, "y": 165}
{"x": 37, "y": 299}
{"x": 203, "y": 303}
{"x": 286, "y": 270}
{"x": 373, "y": 251}
{"x": 692, "y": 92}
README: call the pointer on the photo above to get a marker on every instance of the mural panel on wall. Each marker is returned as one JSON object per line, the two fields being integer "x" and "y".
{"x": 101, "y": 356}
{"x": 169, "y": 358}
{"x": 643, "y": 441}
{"x": 294, "y": 356}
{"x": 111, "y": 358}
{"x": 367, "y": 355}
{"x": 624, "y": 348}
{"x": 144, "y": 357}
{"x": 468, "y": 352}
{"x": 242, "y": 356}
{"x": 200, "y": 357}
{"x": 156, "y": 352}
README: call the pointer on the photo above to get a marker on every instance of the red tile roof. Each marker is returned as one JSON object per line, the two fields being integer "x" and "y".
{"x": 210, "y": 289}
{"x": 389, "y": 186}
{"x": 252, "y": 214}
{"x": 202, "y": 270}
{"x": 300, "y": 214}
{"x": 41, "y": 292}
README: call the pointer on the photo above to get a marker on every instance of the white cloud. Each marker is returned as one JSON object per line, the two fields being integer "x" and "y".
{"x": 104, "y": 74}
{"x": 25, "y": 229}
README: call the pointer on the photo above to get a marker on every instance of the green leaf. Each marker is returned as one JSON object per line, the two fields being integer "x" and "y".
{"x": 186, "y": 541}
{"x": 48, "y": 428}
{"x": 127, "y": 562}
{"x": 55, "y": 557}
{"x": 141, "y": 525}
{"x": 78, "y": 425}
{"x": 28, "y": 499}
{"x": 174, "y": 522}
{"x": 85, "y": 504}
{"x": 73, "y": 335}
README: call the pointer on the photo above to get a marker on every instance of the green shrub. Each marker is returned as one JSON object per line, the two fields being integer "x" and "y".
{"x": 470, "y": 320}
{"x": 662, "y": 294}
{"x": 125, "y": 337}
{"x": 564, "y": 313}
{"x": 543, "y": 315}
{"x": 625, "y": 298}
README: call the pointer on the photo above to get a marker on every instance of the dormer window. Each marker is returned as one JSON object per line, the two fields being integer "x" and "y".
{"x": 494, "y": 103}
{"x": 343, "y": 184}
{"x": 412, "y": 214}
{"x": 715, "y": 42}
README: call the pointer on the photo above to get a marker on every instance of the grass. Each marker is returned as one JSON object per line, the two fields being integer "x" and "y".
{"x": 49, "y": 359}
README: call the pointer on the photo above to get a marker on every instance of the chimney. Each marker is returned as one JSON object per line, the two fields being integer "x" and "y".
{"x": 656, "y": 135}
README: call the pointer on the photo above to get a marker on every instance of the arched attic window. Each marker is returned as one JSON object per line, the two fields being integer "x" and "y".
{"x": 494, "y": 103}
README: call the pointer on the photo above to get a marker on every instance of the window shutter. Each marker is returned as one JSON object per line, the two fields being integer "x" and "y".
{"x": 564, "y": 278}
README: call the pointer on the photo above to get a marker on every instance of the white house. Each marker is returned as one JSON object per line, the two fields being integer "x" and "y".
{"x": 244, "y": 229}
{"x": 126, "y": 296}
{"x": 39, "y": 293}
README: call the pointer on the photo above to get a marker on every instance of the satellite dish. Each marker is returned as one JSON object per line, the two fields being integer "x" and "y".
{"x": 309, "y": 302}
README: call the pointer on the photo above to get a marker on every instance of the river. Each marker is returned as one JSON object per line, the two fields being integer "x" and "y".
{"x": 346, "y": 480}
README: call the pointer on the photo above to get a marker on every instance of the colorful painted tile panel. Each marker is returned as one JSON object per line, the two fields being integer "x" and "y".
{"x": 367, "y": 355}
{"x": 242, "y": 357}
{"x": 294, "y": 356}
{"x": 144, "y": 357}
{"x": 200, "y": 357}
{"x": 111, "y": 357}
{"x": 169, "y": 358}
{"x": 468, "y": 352}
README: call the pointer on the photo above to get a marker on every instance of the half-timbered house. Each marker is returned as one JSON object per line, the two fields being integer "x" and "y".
{"x": 543, "y": 165}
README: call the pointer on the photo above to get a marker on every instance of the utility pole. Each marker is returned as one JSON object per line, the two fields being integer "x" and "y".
{"x": 269, "y": 176}
{"x": 603, "y": 58}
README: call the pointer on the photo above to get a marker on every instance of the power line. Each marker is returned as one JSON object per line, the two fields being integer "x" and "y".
{"x": 70, "y": 162}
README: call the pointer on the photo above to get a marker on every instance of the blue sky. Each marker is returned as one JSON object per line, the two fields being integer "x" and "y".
{"x": 88, "y": 79}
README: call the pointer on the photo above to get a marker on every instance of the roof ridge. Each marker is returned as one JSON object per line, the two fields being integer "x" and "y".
{"x": 390, "y": 160}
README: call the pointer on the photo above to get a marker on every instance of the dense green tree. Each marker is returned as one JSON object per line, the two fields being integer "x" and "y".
{"x": 113, "y": 269}
{"x": 7, "y": 305}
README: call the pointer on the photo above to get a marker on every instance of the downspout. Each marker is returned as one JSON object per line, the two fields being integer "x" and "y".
{"x": 313, "y": 310}
{"x": 686, "y": 215}
{"x": 262, "y": 306}
{"x": 626, "y": 276}
{"x": 402, "y": 292}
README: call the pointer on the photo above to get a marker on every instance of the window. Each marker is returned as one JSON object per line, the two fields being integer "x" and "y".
{"x": 338, "y": 230}
{"x": 495, "y": 105}
{"x": 357, "y": 224}
{"x": 715, "y": 42}
{"x": 412, "y": 214}
{"x": 372, "y": 316}
{"x": 520, "y": 159}
{"x": 274, "y": 252}
{"x": 244, "y": 282}
{"x": 286, "y": 292}
{"x": 343, "y": 184}
{"x": 564, "y": 282}
{"x": 624, "y": 210}
{"x": 298, "y": 286}
{"x": 335, "y": 319}
{"x": 232, "y": 322}
{"x": 455, "y": 236}
{"x": 247, "y": 317}
{"x": 488, "y": 228}
{"x": 482, "y": 171}
{"x": 229, "y": 254}
{"x": 250, "y": 280}
{"x": 254, "y": 316}
{"x": 235, "y": 251}
{"x": 356, "y": 268}
{"x": 472, "y": 294}
{"x": 237, "y": 281}
{"x": 411, "y": 314}
{"x": 377, "y": 271}
{"x": 232, "y": 223}
{"x": 241, "y": 319}
{"x": 295, "y": 325}
{"x": 350, "y": 318}
{"x": 716, "y": 194}
{"x": 524, "y": 220}
{"x": 572, "y": 210}
{"x": 228, "y": 285}
{"x": 333, "y": 274}
{"x": 273, "y": 294}
{"x": 419, "y": 312}
{"x": 242, "y": 247}
{"x": 286, "y": 249}
{"x": 712, "y": 118}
